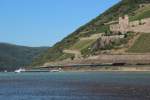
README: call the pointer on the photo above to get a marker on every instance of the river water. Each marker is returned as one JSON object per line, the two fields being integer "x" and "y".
{"x": 75, "y": 86}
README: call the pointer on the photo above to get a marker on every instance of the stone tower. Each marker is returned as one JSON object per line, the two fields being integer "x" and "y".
{"x": 124, "y": 24}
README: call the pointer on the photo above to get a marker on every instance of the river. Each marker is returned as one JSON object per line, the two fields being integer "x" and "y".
{"x": 75, "y": 86}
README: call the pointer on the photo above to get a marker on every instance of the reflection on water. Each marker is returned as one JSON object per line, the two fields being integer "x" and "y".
{"x": 75, "y": 86}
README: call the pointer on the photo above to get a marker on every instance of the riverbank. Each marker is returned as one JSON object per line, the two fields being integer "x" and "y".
{"x": 109, "y": 69}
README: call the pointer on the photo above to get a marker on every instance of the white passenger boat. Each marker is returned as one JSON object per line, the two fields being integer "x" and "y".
{"x": 56, "y": 70}
{"x": 20, "y": 70}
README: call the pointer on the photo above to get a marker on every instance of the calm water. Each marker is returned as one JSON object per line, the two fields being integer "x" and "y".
{"x": 75, "y": 86}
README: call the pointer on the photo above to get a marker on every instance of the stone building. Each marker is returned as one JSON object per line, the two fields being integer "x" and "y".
{"x": 124, "y": 25}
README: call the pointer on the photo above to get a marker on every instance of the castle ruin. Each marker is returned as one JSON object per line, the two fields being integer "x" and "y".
{"x": 124, "y": 25}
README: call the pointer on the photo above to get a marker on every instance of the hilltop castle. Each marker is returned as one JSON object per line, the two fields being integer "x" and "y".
{"x": 124, "y": 25}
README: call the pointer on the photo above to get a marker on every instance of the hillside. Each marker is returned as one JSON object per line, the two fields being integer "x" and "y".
{"x": 98, "y": 25}
{"x": 141, "y": 45}
{"x": 14, "y": 56}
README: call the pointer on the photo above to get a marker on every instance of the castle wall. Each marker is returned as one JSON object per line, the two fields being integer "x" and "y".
{"x": 134, "y": 23}
{"x": 146, "y": 21}
{"x": 95, "y": 36}
{"x": 141, "y": 28}
{"x": 115, "y": 27}
{"x": 113, "y": 37}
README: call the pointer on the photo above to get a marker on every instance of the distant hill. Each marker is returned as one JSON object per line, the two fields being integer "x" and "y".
{"x": 14, "y": 56}
{"x": 97, "y": 25}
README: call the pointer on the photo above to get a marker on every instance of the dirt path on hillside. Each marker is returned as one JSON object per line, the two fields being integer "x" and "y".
{"x": 75, "y": 52}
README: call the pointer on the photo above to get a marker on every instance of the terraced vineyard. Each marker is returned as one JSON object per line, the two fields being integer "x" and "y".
{"x": 82, "y": 44}
{"x": 143, "y": 12}
{"x": 142, "y": 44}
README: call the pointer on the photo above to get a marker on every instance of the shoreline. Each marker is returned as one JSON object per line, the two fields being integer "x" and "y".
{"x": 106, "y": 71}
{"x": 139, "y": 68}
{"x": 110, "y": 69}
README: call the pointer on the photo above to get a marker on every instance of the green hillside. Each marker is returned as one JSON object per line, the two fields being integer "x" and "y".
{"x": 142, "y": 44}
{"x": 94, "y": 26}
{"x": 80, "y": 45}
{"x": 14, "y": 56}
{"x": 143, "y": 12}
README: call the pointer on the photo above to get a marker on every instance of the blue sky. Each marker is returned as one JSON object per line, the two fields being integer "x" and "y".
{"x": 45, "y": 22}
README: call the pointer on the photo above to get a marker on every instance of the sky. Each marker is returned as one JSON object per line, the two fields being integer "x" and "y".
{"x": 45, "y": 22}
